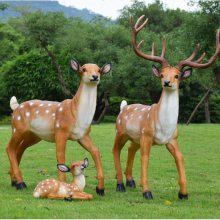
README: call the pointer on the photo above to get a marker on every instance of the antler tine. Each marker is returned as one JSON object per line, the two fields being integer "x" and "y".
{"x": 135, "y": 29}
{"x": 139, "y": 45}
{"x": 153, "y": 49}
{"x": 200, "y": 58}
{"x": 197, "y": 64}
{"x": 194, "y": 53}
{"x": 163, "y": 48}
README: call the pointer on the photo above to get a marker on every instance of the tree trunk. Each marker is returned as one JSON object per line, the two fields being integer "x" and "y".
{"x": 209, "y": 91}
{"x": 207, "y": 112}
{"x": 58, "y": 71}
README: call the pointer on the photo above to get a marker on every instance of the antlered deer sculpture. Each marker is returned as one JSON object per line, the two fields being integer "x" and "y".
{"x": 147, "y": 125}
{"x": 37, "y": 120}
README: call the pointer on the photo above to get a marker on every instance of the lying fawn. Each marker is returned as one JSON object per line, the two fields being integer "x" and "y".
{"x": 54, "y": 189}
{"x": 37, "y": 120}
{"x": 147, "y": 125}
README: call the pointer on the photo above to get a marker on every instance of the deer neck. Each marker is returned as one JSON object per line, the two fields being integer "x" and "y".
{"x": 168, "y": 110}
{"x": 84, "y": 104}
{"x": 79, "y": 181}
{"x": 167, "y": 116}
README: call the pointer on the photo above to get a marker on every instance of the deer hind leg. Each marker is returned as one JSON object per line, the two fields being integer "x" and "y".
{"x": 87, "y": 143}
{"x": 176, "y": 153}
{"x": 11, "y": 150}
{"x": 130, "y": 160}
{"x": 28, "y": 140}
{"x": 120, "y": 141}
{"x": 82, "y": 196}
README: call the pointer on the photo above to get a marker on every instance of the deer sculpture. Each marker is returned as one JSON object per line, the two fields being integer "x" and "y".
{"x": 55, "y": 189}
{"x": 146, "y": 125}
{"x": 37, "y": 120}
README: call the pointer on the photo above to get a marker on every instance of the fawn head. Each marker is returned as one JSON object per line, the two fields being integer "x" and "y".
{"x": 90, "y": 73}
{"x": 76, "y": 168}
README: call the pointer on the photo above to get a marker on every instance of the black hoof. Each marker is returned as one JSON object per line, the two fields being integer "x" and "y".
{"x": 120, "y": 187}
{"x": 100, "y": 192}
{"x": 148, "y": 195}
{"x": 68, "y": 199}
{"x": 13, "y": 183}
{"x": 182, "y": 196}
{"x": 21, "y": 186}
{"x": 130, "y": 183}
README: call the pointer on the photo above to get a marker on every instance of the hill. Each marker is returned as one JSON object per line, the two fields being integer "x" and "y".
{"x": 52, "y": 6}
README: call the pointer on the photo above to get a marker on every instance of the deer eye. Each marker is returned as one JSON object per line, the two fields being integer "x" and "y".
{"x": 161, "y": 76}
{"x": 176, "y": 76}
{"x": 84, "y": 69}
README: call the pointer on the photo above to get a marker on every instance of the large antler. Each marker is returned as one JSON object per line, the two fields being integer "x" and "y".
{"x": 136, "y": 28}
{"x": 196, "y": 64}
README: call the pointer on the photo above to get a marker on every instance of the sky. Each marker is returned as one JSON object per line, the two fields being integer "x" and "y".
{"x": 110, "y": 8}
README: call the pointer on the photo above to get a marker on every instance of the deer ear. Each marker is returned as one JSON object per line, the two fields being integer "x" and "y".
{"x": 186, "y": 73}
{"x": 86, "y": 162}
{"x": 63, "y": 168}
{"x": 106, "y": 68}
{"x": 156, "y": 71}
{"x": 75, "y": 65}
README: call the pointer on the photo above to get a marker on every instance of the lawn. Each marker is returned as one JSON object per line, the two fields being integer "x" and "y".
{"x": 200, "y": 145}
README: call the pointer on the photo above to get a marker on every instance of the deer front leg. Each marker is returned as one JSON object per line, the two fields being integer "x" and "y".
{"x": 176, "y": 153}
{"x": 61, "y": 139}
{"x": 87, "y": 143}
{"x": 145, "y": 146}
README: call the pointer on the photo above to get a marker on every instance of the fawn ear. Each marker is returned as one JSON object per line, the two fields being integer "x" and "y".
{"x": 106, "y": 68}
{"x": 156, "y": 71}
{"x": 63, "y": 168}
{"x": 86, "y": 162}
{"x": 186, "y": 73}
{"x": 75, "y": 65}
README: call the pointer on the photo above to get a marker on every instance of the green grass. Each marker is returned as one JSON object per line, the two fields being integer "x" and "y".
{"x": 200, "y": 145}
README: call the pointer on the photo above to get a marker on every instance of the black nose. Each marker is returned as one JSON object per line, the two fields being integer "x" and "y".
{"x": 95, "y": 77}
{"x": 166, "y": 83}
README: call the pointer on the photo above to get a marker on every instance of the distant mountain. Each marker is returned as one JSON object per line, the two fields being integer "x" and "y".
{"x": 52, "y": 6}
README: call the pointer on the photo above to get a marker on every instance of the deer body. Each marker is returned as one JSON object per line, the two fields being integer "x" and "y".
{"x": 55, "y": 189}
{"x": 57, "y": 122}
{"x": 156, "y": 124}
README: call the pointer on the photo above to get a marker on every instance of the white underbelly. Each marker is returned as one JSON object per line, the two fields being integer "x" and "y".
{"x": 133, "y": 132}
{"x": 43, "y": 129}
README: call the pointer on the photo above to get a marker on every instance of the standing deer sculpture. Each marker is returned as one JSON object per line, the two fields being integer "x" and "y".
{"x": 37, "y": 120}
{"x": 151, "y": 125}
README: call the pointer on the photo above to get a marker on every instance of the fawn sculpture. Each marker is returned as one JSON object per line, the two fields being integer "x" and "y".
{"x": 147, "y": 125}
{"x": 37, "y": 120}
{"x": 55, "y": 189}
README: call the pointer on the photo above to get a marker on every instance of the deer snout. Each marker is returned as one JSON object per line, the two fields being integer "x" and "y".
{"x": 166, "y": 83}
{"x": 95, "y": 78}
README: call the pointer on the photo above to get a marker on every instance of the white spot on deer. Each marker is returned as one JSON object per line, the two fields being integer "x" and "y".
{"x": 140, "y": 116}
{"x": 37, "y": 112}
{"x": 132, "y": 115}
{"x": 60, "y": 109}
{"x": 27, "y": 114}
{"x": 57, "y": 124}
{"x": 54, "y": 114}
{"x": 45, "y": 190}
{"x": 148, "y": 115}
{"x": 128, "y": 107}
{"x": 21, "y": 106}
{"x": 14, "y": 130}
{"x": 41, "y": 105}
{"x": 19, "y": 118}
{"x": 149, "y": 108}
{"x": 49, "y": 104}
{"x": 36, "y": 194}
{"x": 142, "y": 131}
{"x": 47, "y": 111}
{"x": 59, "y": 104}
{"x": 119, "y": 121}
{"x": 31, "y": 103}
{"x": 136, "y": 109}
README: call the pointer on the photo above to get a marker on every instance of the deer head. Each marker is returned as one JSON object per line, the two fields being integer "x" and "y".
{"x": 76, "y": 168}
{"x": 170, "y": 76}
{"x": 90, "y": 73}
